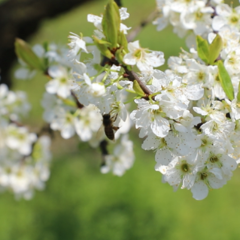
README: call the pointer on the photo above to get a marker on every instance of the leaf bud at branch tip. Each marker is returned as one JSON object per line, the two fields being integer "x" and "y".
{"x": 26, "y": 54}
{"x": 111, "y": 23}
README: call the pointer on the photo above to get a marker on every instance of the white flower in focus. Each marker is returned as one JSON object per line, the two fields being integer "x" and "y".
{"x": 177, "y": 64}
{"x": 235, "y": 109}
{"x": 216, "y": 89}
{"x": 230, "y": 38}
{"x": 150, "y": 115}
{"x": 232, "y": 61}
{"x": 222, "y": 164}
{"x": 93, "y": 89}
{"x": 181, "y": 170}
{"x": 226, "y": 15}
{"x": 186, "y": 122}
{"x": 116, "y": 102}
{"x": 197, "y": 17}
{"x": 164, "y": 155}
{"x": 143, "y": 58}
{"x": 204, "y": 180}
{"x": 197, "y": 74}
{"x": 87, "y": 90}
{"x": 182, "y": 143}
{"x": 97, "y": 89}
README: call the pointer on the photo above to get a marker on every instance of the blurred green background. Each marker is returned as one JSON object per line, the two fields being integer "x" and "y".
{"x": 81, "y": 203}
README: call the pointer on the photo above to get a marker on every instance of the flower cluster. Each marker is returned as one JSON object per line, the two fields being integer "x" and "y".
{"x": 197, "y": 17}
{"x": 184, "y": 112}
{"x": 76, "y": 97}
{"x": 189, "y": 114}
{"x": 24, "y": 158}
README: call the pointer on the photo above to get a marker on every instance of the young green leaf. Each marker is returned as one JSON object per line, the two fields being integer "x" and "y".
{"x": 111, "y": 23}
{"x": 119, "y": 54}
{"x": 215, "y": 49}
{"x": 225, "y": 81}
{"x": 138, "y": 89}
{"x": 103, "y": 47}
{"x": 26, "y": 54}
{"x": 122, "y": 41}
{"x": 203, "y": 49}
{"x": 238, "y": 95}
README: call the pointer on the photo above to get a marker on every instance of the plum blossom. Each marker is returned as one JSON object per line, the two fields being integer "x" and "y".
{"x": 122, "y": 158}
{"x": 143, "y": 58}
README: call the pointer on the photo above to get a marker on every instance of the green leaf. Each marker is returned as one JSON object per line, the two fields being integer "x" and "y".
{"x": 111, "y": 23}
{"x": 122, "y": 41}
{"x": 26, "y": 54}
{"x": 138, "y": 89}
{"x": 215, "y": 49}
{"x": 130, "y": 90}
{"x": 119, "y": 54}
{"x": 119, "y": 86}
{"x": 103, "y": 47}
{"x": 203, "y": 49}
{"x": 238, "y": 95}
{"x": 225, "y": 81}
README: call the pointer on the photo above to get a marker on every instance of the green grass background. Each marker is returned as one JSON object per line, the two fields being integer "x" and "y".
{"x": 81, "y": 203}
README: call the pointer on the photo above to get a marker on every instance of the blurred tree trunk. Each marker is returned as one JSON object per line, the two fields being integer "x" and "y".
{"x": 21, "y": 18}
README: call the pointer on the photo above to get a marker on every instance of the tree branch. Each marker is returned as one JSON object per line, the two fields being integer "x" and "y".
{"x": 131, "y": 75}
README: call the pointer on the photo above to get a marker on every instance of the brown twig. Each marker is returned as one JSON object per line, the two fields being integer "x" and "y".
{"x": 79, "y": 105}
{"x": 131, "y": 75}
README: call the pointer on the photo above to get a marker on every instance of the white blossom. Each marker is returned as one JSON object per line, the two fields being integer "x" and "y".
{"x": 122, "y": 158}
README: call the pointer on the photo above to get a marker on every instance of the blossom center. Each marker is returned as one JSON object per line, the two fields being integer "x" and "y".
{"x": 199, "y": 15}
{"x": 185, "y": 167}
{"x": 203, "y": 175}
{"x": 63, "y": 80}
{"x": 201, "y": 75}
{"x": 138, "y": 53}
{"x": 234, "y": 19}
{"x": 213, "y": 159}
